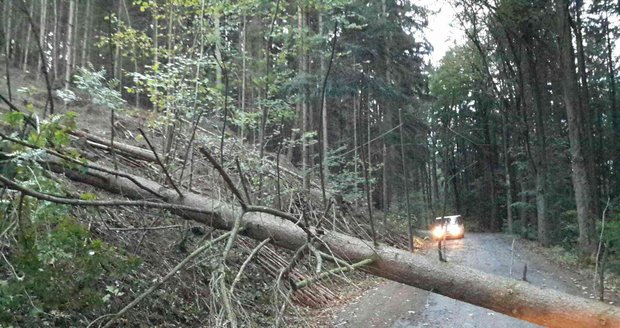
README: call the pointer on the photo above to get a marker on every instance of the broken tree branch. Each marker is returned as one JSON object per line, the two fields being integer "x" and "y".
{"x": 246, "y": 262}
{"x": 97, "y": 203}
{"x": 132, "y": 151}
{"x": 308, "y": 282}
{"x": 78, "y": 162}
{"x": 161, "y": 164}
{"x": 248, "y": 199}
{"x": 225, "y": 176}
{"x": 161, "y": 281}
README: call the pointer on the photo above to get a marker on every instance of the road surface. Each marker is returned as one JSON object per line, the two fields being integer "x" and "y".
{"x": 395, "y": 305}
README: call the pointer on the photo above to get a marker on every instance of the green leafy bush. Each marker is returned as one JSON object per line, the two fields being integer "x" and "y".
{"x": 51, "y": 267}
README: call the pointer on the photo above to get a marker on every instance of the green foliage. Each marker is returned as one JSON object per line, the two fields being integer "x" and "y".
{"x": 611, "y": 238}
{"x": 568, "y": 231}
{"x": 101, "y": 91}
{"x": 14, "y": 119}
{"x": 51, "y": 265}
{"x": 564, "y": 255}
{"x": 56, "y": 265}
{"x": 524, "y": 229}
{"x": 346, "y": 181}
{"x": 176, "y": 91}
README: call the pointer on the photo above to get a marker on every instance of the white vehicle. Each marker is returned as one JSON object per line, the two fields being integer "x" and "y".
{"x": 448, "y": 227}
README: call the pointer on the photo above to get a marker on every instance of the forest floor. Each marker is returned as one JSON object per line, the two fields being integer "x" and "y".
{"x": 391, "y": 304}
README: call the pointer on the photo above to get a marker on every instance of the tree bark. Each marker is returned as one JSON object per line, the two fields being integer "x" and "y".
{"x": 76, "y": 24}
{"x": 514, "y": 298}
{"x": 324, "y": 140}
{"x": 405, "y": 182}
{"x": 27, "y": 45}
{"x": 356, "y": 106}
{"x": 85, "y": 42}
{"x": 434, "y": 175}
{"x": 507, "y": 162}
{"x": 243, "y": 45}
{"x": 55, "y": 40}
{"x": 7, "y": 46}
{"x": 42, "y": 33}
{"x": 69, "y": 44}
{"x": 581, "y": 174}
{"x": 304, "y": 101}
{"x": 533, "y": 100}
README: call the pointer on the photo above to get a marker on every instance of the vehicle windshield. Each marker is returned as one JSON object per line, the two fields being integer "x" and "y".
{"x": 453, "y": 219}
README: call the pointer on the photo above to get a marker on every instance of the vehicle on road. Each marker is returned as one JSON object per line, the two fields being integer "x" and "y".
{"x": 448, "y": 227}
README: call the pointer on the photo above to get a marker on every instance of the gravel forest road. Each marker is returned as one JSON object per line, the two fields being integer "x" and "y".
{"x": 395, "y": 305}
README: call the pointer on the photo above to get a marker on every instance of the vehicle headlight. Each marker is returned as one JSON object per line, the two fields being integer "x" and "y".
{"x": 454, "y": 229}
{"x": 438, "y": 232}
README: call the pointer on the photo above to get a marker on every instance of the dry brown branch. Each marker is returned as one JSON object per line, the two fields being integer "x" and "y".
{"x": 224, "y": 176}
{"x": 147, "y": 228}
{"x": 78, "y": 162}
{"x": 99, "y": 203}
{"x": 243, "y": 182}
{"x": 308, "y": 282}
{"x": 160, "y": 281}
{"x": 246, "y": 262}
{"x": 161, "y": 164}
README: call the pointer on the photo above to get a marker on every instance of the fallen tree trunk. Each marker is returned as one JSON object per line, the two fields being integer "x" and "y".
{"x": 518, "y": 299}
{"x": 99, "y": 142}
{"x": 147, "y": 155}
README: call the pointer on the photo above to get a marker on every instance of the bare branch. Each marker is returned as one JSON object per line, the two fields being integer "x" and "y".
{"x": 225, "y": 176}
{"x": 243, "y": 182}
{"x": 160, "y": 282}
{"x": 99, "y": 203}
{"x": 246, "y": 262}
{"x": 308, "y": 282}
{"x": 75, "y": 161}
{"x": 161, "y": 163}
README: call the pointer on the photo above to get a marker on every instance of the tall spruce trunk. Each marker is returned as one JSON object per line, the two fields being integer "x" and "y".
{"x": 582, "y": 175}
{"x": 405, "y": 181}
{"x": 507, "y": 177}
{"x": 356, "y": 106}
{"x": 74, "y": 43}
{"x": 7, "y": 46}
{"x": 435, "y": 176}
{"x": 595, "y": 160}
{"x": 68, "y": 44}
{"x": 27, "y": 45}
{"x": 85, "y": 42}
{"x": 533, "y": 100}
{"x": 324, "y": 124}
{"x": 55, "y": 41}
{"x": 42, "y": 33}
{"x": 243, "y": 45}
{"x": 304, "y": 101}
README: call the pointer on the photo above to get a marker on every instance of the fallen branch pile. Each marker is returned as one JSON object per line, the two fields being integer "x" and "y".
{"x": 316, "y": 295}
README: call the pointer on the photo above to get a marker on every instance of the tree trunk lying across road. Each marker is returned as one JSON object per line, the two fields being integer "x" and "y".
{"x": 514, "y": 298}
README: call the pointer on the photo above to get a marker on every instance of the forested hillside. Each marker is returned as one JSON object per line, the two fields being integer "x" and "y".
{"x": 328, "y": 115}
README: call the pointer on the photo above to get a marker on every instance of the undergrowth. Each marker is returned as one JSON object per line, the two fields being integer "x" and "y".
{"x": 52, "y": 268}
